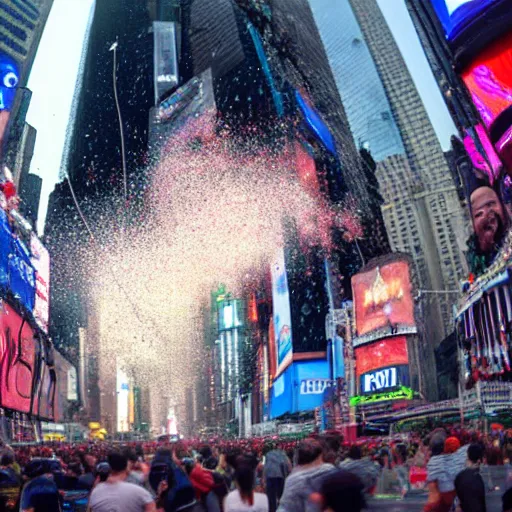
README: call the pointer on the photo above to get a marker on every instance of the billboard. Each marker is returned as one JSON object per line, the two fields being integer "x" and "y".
{"x": 385, "y": 353}
{"x": 383, "y": 298}
{"x": 283, "y": 350}
{"x": 41, "y": 262}
{"x": 9, "y": 78}
{"x": 299, "y": 388}
{"x": 384, "y": 379}
{"x": 165, "y": 58}
{"x": 123, "y": 397}
{"x": 456, "y": 15}
{"x": 17, "y": 360}
{"x": 230, "y": 314}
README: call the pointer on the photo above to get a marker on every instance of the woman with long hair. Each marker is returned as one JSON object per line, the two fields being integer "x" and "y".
{"x": 243, "y": 498}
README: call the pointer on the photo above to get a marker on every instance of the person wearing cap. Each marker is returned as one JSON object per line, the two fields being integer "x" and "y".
{"x": 40, "y": 494}
{"x": 469, "y": 483}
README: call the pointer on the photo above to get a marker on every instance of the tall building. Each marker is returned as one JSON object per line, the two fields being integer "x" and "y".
{"x": 421, "y": 209}
{"x": 21, "y": 26}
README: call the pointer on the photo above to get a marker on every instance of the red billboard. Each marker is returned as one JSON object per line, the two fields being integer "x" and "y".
{"x": 383, "y": 297}
{"x": 17, "y": 360}
{"x": 381, "y": 354}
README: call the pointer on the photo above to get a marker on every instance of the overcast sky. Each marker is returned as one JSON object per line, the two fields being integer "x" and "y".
{"x": 54, "y": 73}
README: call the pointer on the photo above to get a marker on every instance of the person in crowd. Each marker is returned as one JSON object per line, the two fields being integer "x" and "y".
{"x": 506, "y": 500}
{"x": 102, "y": 472}
{"x": 364, "y": 468}
{"x": 340, "y": 491}
{"x": 10, "y": 482}
{"x": 40, "y": 494}
{"x": 89, "y": 462}
{"x": 276, "y": 468}
{"x": 302, "y": 481}
{"x": 469, "y": 483}
{"x": 243, "y": 498}
{"x": 117, "y": 494}
{"x": 8, "y": 474}
{"x": 135, "y": 475}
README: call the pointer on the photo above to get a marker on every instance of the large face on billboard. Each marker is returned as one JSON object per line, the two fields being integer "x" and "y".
{"x": 282, "y": 314}
{"x": 383, "y": 298}
{"x": 18, "y": 360}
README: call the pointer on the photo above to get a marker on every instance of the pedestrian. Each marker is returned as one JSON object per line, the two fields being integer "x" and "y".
{"x": 340, "y": 491}
{"x": 363, "y": 467}
{"x": 303, "y": 480}
{"x": 276, "y": 468}
{"x": 40, "y": 493}
{"x": 243, "y": 498}
{"x": 118, "y": 495}
{"x": 469, "y": 483}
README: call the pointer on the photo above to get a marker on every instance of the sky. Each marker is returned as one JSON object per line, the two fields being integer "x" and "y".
{"x": 53, "y": 81}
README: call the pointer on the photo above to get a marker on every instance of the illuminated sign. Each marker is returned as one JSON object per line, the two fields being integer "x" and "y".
{"x": 401, "y": 394}
{"x": 381, "y": 354}
{"x": 314, "y": 386}
{"x": 165, "y": 58}
{"x": 383, "y": 298}
{"x": 282, "y": 314}
{"x": 379, "y": 380}
{"x": 41, "y": 262}
{"x": 229, "y": 314}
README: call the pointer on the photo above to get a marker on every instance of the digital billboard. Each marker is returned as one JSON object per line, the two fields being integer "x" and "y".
{"x": 165, "y": 58}
{"x": 300, "y": 388}
{"x": 383, "y": 297}
{"x": 47, "y": 392}
{"x": 384, "y": 379}
{"x": 387, "y": 352}
{"x": 41, "y": 262}
{"x": 489, "y": 82}
{"x": 9, "y": 78}
{"x": 123, "y": 392}
{"x": 22, "y": 281}
{"x": 230, "y": 314}
{"x": 283, "y": 350}
{"x": 455, "y": 15}
{"x": 18, "y": 360}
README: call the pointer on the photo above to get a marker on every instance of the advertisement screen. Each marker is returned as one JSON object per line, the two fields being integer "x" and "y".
{"x": 489, "y": 82}
{"x": 9, "y": 78}
{"x": 165, "y": 58}
{"x": 22, "y": 281}
{"x": 381, "y": 354}
{"x": 486, "y": 162}
{"x": 384, "y": 379}
{"x": 123, "y": 392}
{"x": 230, "y": 314}
{"x": 41, "y": 263}
{"x": 282, "y": 314}
{"x": 455, "y": 15}
{"x": 18, "y": 360}
{"x": 383, "y": 297}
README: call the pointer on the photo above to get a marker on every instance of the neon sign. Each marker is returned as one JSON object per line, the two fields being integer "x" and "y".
{"x": 401, "y": 394}
{"x": 380, "y": 379}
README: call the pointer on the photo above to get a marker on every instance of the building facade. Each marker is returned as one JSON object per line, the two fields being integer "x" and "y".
{"x": 421, "y": 209}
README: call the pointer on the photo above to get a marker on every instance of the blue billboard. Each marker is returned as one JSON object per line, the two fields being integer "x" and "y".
{"x": 17, "y": 274}
{"x": 300, "y": 388}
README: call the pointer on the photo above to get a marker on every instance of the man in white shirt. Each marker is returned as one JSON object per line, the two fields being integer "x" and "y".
{"x": 116, "y": 495}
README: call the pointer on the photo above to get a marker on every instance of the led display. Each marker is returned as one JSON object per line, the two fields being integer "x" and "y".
{"x": 41, "y": 262}
{"x": 18, "y": 360}
{"x": 455, "y": 15}
{"x": 382, "y": 297}
{"x": 381, "y": 354}
{"x": 282, "y": 315}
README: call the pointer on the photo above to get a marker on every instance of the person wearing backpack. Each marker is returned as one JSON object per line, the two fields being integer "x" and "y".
{"x": 169, "y": 480}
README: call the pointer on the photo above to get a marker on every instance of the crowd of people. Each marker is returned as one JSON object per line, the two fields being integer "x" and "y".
{"x": 320, "y": 473}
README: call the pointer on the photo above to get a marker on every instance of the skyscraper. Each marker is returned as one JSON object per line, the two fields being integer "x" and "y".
{"x": 422, "y": 212}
